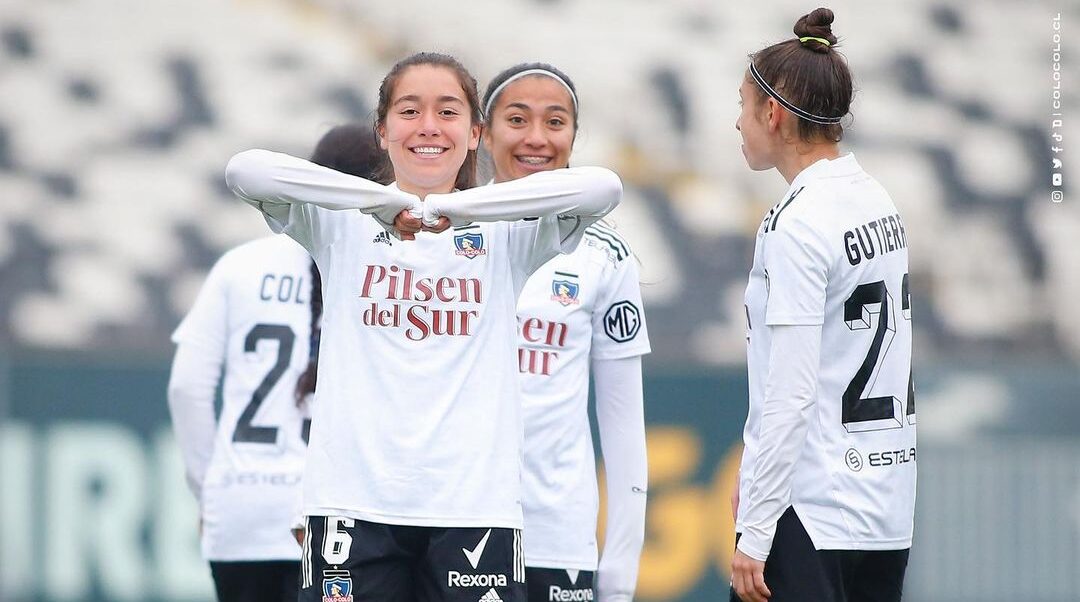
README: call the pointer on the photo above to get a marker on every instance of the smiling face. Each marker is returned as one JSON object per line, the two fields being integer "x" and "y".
{"x": 531, "y": 128}
{"x": 754, "y": 125}
{"x": 428, "y": 129}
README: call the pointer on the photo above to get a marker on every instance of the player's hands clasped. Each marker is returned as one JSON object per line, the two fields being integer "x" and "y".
{"x": 407, "y": 223}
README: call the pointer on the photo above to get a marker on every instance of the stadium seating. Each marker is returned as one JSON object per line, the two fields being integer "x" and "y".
{"x": 119, "y": 116}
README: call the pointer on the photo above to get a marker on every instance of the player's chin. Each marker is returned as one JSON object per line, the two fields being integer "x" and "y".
{"x": 755, "y": 163}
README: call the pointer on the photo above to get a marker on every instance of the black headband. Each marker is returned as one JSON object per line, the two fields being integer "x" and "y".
{"x": 787, "y": 105}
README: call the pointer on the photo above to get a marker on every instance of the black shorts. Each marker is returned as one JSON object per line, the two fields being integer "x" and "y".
{"x": 795, "y": 571}
{"x": 348, "y": 560}
{"x": 558, "y": 585}
{"x": 256, "y": 581}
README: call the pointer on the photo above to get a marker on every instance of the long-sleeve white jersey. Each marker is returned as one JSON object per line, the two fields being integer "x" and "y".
{"x": 417, "y": 417}
{"x": 251, "y": 317}
{"x": 582, "y": 308}
{"x": 839, "y": 444}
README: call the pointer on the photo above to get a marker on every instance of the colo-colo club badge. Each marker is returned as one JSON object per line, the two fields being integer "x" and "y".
{"x": 470, "y": 244}
{"x": 337, "y": 586}
{"x": 564, "y": 289}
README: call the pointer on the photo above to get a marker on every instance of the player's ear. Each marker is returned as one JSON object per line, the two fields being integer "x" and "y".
{"x": 474, "y": 136}
{"x": 380, "y": 131}
{"x": 773, "y": 112}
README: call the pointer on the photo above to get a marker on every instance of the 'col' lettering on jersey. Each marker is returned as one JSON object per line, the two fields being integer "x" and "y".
{"x": 253, "y": 311}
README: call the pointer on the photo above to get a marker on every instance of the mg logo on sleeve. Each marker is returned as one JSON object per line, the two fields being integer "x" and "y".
{"x": 622, "y": 321}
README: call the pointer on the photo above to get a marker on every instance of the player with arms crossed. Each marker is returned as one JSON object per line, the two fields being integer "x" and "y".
{"x": 411, "y": 487}
{"x": 254, "y": 316}
{"x": 579, "y": 310}
{"x": 827, "y": 481}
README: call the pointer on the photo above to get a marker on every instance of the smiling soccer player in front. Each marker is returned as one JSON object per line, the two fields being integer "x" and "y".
{"x": 412, "y": 480}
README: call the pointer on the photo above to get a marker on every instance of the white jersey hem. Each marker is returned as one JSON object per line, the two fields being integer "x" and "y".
{"x": 416, "y": 521}
{"x": 547, "y": 563}
{"x": 875, "y": 546}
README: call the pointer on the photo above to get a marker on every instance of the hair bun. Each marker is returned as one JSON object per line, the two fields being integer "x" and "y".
{"x": 817, "y": 24}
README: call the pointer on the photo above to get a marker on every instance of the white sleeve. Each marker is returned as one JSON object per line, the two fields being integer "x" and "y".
{"x": 796, "y": 260}
{"x": 620, "y": 417}
{"x": 585, "y": 193}
{"x": 789, "y": 396}
{"x": 201, "y": 341}
{"x": 279, "y": 186}
{"x": 192, "y": 384}
{"x": 619, "y": 328}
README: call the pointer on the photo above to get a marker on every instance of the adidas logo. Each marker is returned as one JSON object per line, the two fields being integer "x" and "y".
{"x": 382, "y": 237}
{"x": 490, "y": 596}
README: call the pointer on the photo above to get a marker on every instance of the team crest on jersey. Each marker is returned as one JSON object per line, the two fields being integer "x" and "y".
{"x": 337, "y": 586}
{"x": 564, "y": 290}
{"x": 470, "y": 244}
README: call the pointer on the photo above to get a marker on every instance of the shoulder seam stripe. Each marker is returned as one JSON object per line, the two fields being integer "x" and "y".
{"x": 613, "y": 234}
{"x": 612, "y": 240}
{"x": 776, "y": 218}
{"x": 618, "y": 252}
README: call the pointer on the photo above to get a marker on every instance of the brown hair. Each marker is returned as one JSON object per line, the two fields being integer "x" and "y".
{"x": 809, "y": 74}
{"x": 466, "y": 177}
{"x": 350, "y": 149}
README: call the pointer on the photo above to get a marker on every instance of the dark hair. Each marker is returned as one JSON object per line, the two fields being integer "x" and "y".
{"x": 350, "y": 149}
{"x": 506, "y": 74}
{"x": 466, "y": 177}
{"x": 810, "y": 75}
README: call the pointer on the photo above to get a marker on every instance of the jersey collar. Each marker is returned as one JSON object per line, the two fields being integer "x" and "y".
{"x": 844, "y": 165}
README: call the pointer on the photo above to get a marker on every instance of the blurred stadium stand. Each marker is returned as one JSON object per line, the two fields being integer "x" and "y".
{"x": 118, "y": 116}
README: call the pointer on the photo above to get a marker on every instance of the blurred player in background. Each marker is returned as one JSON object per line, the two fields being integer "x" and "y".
{"x": 255, "y": 315}
{"x": 350, "y": 149}
{"x": 827, "y": 481}
{"x": 411, "y": 487}
{"x": 579, "y": 310}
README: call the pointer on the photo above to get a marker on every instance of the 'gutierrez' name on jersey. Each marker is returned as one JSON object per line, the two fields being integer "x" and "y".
{"x": 887, "y": 231}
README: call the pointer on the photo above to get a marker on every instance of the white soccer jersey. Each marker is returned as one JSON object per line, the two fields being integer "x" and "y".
{"x": 253, "y": 312}
{"x": 577, "y": 307}
{"x": 417, "y": 417}
{"x": 834, "y": 253}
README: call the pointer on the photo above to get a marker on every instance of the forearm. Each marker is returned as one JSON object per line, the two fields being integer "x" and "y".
{"x": 621, "y": 421}
{"x": 263, "y": 178}
{"x": 789, "y": 396}
{"x": 578, "y": 191}
{"x": 192, "y": 385}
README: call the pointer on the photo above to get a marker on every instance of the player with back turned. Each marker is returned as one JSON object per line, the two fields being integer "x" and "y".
{"x": 254, "y": 317}
{"x": 827, "y": 482}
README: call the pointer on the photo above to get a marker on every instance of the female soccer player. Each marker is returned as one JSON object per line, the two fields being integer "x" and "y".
{"x": 827, "y": 482}
{"x": 578, "y": 309}
{"x": 412, "y": 480}
{"x": 252, "y": 316}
